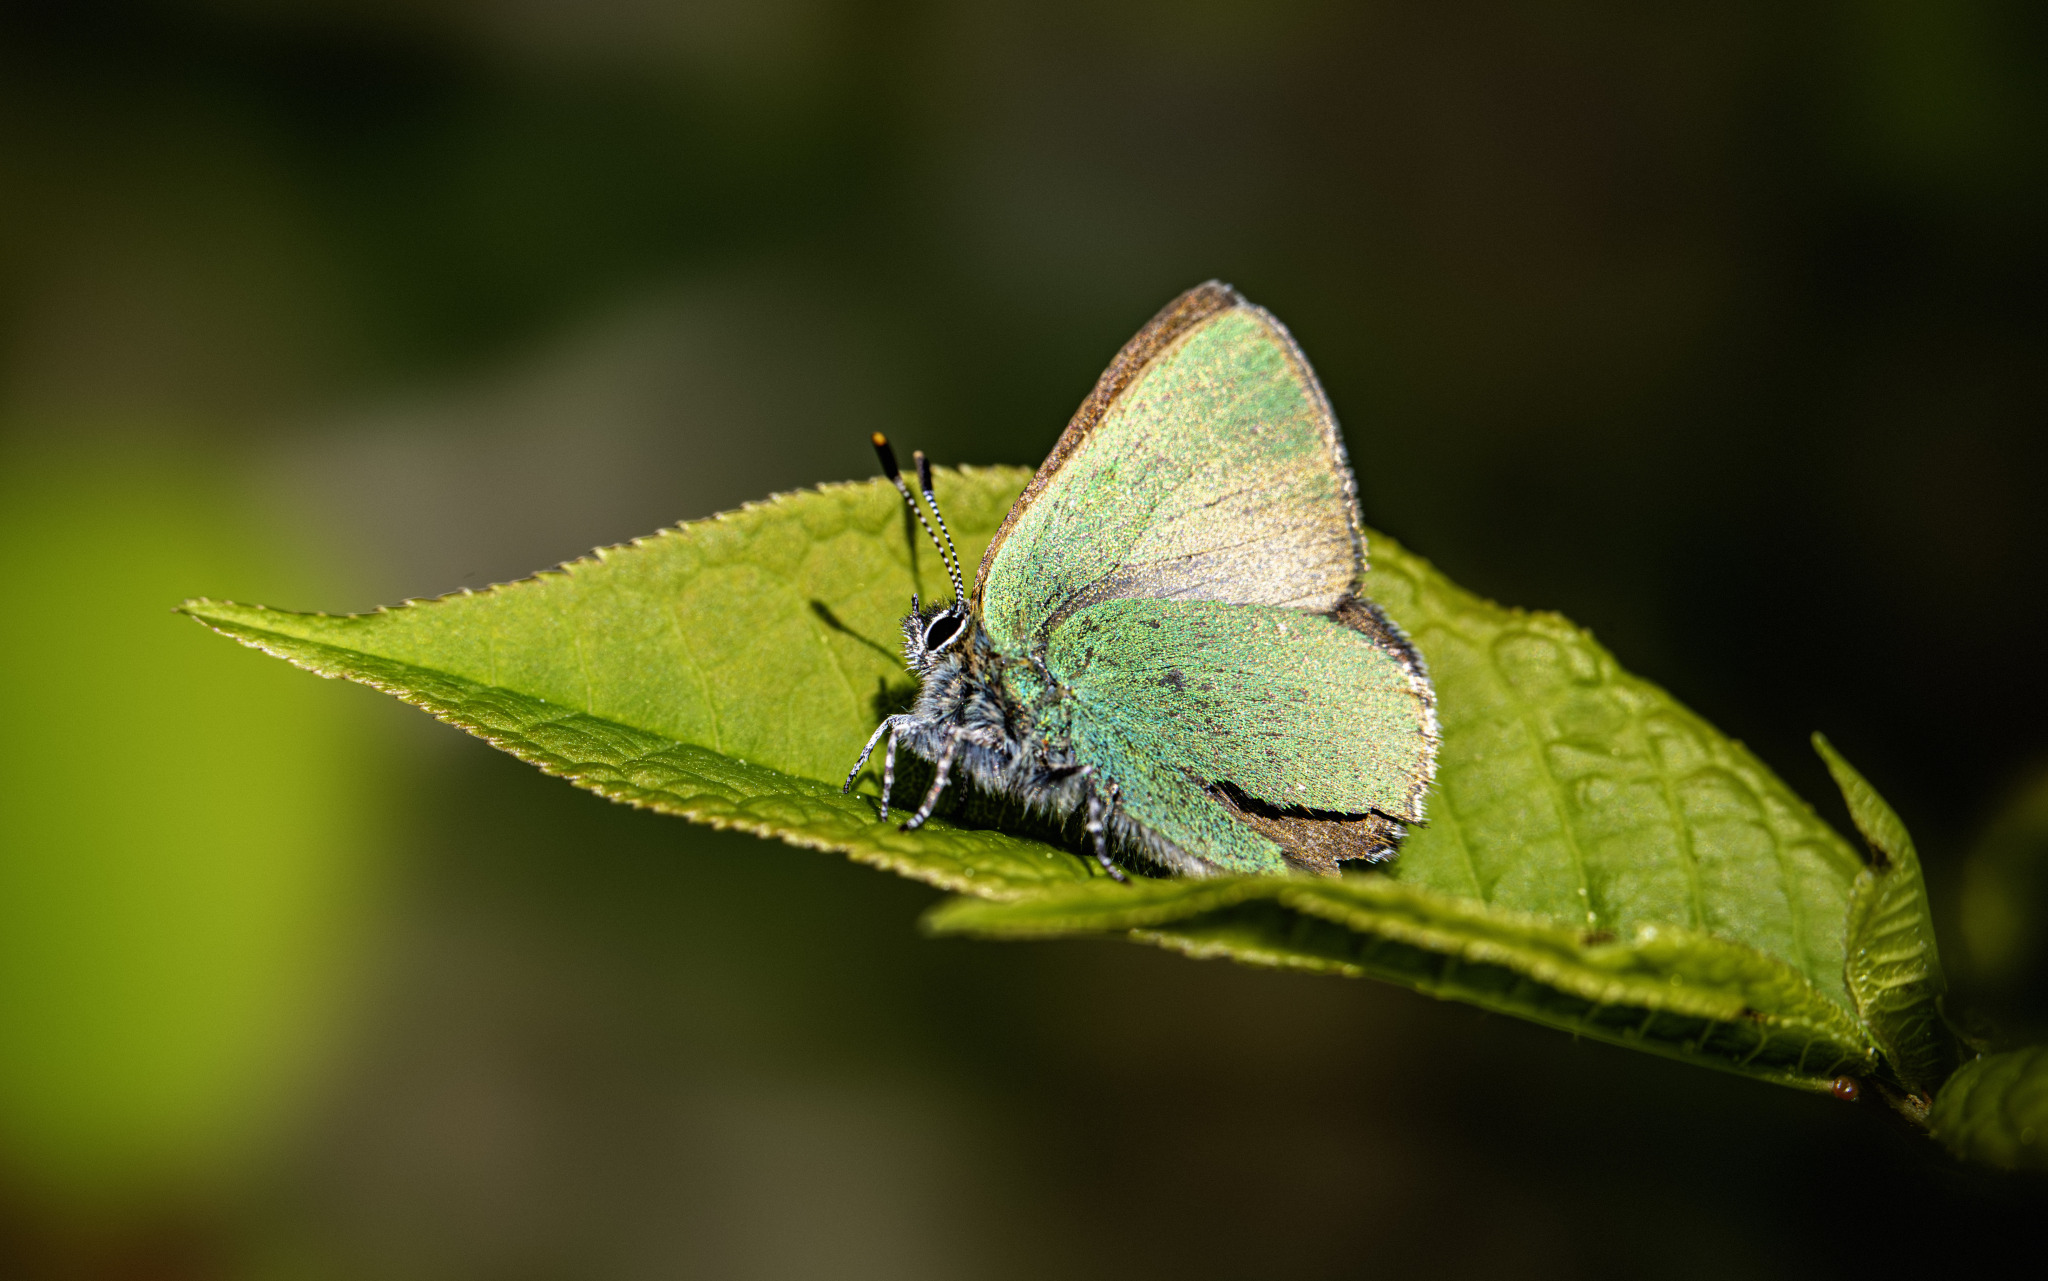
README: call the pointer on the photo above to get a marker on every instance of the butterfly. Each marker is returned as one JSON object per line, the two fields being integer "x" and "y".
{"x": 1168, "y": 633}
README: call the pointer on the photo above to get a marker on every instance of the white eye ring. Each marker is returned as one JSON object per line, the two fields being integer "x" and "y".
{"x": 958, "y": 626}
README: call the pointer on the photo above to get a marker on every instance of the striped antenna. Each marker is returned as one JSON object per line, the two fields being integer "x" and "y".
{"x": 924, "y": 482}
{"x": 895, "y": 475}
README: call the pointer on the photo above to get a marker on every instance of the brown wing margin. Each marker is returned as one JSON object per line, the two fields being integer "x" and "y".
{"x": 1175, "y": 319}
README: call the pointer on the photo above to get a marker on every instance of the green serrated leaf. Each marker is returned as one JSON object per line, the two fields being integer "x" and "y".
{"x": 1668, "y": 989}
{"x": 1893, "y": 969}
{"x": 1994, "y": 1110}
{"x": 729, "y": 671}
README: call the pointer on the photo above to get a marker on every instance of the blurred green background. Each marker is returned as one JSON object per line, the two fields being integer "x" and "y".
{"x": 1720, "y": 329}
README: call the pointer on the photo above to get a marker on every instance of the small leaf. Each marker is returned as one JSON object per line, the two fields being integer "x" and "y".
{"x": 1894, "y": 971}
{"x": 1598, "y": 858}
{"x": 1667, "y": 989}
{"x": 1994, "y": 1110}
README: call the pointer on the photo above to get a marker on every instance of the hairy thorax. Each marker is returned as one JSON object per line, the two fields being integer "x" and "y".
{"x": 1005, "y": 716}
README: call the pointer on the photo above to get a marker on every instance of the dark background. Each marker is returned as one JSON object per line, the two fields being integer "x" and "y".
{"x": 1720, "y": 330}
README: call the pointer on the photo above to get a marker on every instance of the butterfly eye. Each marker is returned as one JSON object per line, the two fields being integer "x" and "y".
{"x": 943, "y": 629}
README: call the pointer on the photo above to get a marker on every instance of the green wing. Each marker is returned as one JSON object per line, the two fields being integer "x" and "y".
{"x": 1205, "y": 466}
{"x": 1179, "y": 700}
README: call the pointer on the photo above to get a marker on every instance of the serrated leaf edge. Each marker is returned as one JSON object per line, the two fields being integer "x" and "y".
{"x": 291, "y": 650}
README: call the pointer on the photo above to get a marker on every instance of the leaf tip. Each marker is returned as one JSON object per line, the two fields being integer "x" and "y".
{"x": 1837, "y": 764}
{"x": 1884, "y": 833}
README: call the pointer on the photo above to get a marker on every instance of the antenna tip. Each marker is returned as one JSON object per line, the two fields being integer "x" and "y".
{"x": 886, "y": 454}
{"x": 924, "y": 470}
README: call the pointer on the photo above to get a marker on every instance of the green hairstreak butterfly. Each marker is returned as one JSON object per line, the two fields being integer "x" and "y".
{"x": 1169, "y": 633}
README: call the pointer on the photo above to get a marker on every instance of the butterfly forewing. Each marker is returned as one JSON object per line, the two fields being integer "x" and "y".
{"x": 1213, "y": 472}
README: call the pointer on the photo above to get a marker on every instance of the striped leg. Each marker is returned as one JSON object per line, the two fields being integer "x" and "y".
{"x": 1098, "y": 829}
{"x": 888, "y": 773}
{"x": 931, "y": 798}
{"x": 888, "y": 726}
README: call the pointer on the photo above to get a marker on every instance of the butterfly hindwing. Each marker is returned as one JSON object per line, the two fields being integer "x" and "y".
{"x": 1269, "y": 713}
{"x": 1206, "y": 466}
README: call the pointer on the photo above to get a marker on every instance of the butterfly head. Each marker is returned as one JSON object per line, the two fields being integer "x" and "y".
{"x": 935, "y": 634}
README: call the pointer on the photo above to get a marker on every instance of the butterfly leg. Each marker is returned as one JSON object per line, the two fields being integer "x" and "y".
{"x": 931, "y": 798}
{"x": 888, "y": 773}
{"x": 888, "y": 726}
{"x": 1098, "y": 830}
